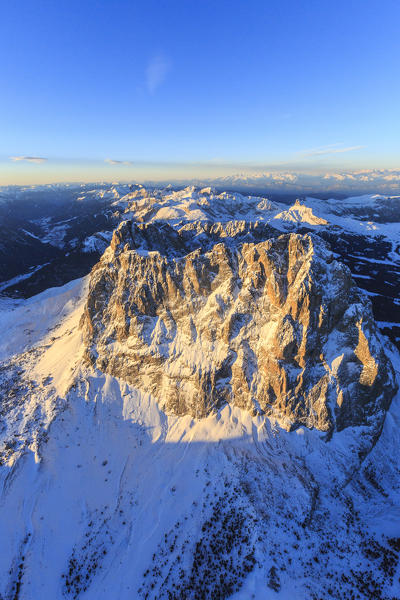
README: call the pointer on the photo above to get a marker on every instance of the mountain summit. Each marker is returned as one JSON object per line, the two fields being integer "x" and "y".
{"x": 276, "y": 328}
{"x": 212, "y": 412}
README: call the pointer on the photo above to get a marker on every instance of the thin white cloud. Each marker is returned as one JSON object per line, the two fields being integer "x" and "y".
{"x": 332, "y": 149}
{"x": 31, "y": 159}
{"x": 111, "y": 161}
{"x": 156, "y": 72}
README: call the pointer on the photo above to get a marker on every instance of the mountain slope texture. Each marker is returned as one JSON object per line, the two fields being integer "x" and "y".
{"x": 277, "y": 327}
{"x": 211, "y": 413}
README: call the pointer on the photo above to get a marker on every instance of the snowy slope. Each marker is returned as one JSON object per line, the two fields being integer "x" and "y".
{"x": 127, "y": 502}
{"x": 299, "y": 213}
{"x": 103, "y": 495}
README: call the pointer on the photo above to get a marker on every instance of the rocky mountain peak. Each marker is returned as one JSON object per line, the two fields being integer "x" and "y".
{"x": 276, "y": 327}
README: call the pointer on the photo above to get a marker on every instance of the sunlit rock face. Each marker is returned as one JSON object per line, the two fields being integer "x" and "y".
{"x": 276, "y": 327}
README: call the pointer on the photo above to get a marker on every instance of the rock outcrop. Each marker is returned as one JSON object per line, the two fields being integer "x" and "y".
{"x": 276, "y": 327}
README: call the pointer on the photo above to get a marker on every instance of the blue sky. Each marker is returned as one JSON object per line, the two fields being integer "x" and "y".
{"x": 198, "y": 87}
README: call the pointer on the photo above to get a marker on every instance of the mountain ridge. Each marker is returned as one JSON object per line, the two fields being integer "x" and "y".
{"x": 106, "y": 493}
{"x": 274, "y": 327}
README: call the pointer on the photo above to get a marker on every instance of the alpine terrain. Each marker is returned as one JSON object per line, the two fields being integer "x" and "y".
{"x": 199, "y": 395}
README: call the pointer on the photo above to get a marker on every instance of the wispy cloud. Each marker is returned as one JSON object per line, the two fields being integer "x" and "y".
{"x": 31, "y": 159}
{"x": 111, "y": 161}
{"x": 156, "y": 72}
{"x": 332, "y": 149}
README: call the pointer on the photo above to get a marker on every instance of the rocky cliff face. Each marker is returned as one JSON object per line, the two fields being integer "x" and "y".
{"x": 276, "y": 327}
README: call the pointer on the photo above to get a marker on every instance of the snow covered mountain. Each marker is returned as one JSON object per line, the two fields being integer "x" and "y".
{"x": 53, "y": 234}
{"x": 213, "y": 412}
{"x": 277, "y": 328}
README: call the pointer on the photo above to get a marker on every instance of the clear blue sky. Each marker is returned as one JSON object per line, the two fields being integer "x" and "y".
{"x": 197, "y": 84}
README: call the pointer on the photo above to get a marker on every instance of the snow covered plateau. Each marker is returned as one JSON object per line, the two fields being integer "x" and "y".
{"x": 199, "y": 395}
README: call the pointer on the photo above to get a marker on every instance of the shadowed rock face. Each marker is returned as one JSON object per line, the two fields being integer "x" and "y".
{"x": 277, "y": 327}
